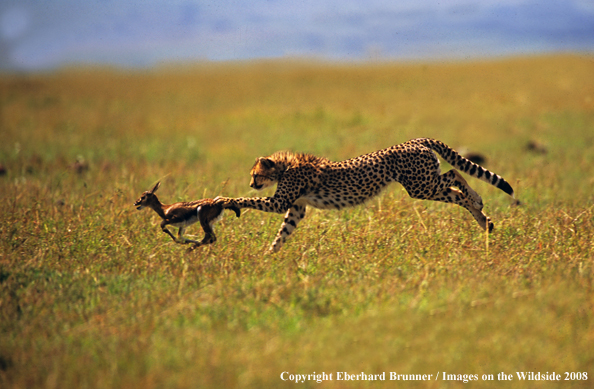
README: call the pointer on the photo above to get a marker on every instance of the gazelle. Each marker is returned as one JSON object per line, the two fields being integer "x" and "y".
{"x": 184, "y": 214}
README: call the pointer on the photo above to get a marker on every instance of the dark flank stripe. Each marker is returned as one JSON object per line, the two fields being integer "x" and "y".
{"x": 186, "y": 217}
{"x": 487, "y": 174}
{"x": 472, "y": 170}
{"x": 495, "y": 178}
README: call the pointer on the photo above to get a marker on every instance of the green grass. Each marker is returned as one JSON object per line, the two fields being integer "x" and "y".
{"x": 94, "y": 295}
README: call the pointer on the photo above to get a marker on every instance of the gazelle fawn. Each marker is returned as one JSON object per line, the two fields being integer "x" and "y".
{"x": 184, "y": 214}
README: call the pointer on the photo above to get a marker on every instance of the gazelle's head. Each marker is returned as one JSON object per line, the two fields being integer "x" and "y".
{"x": 147, "y": 198}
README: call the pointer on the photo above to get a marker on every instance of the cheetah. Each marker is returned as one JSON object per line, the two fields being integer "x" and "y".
{"x": 307, "y": 180}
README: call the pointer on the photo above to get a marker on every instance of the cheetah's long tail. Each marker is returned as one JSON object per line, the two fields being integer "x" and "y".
{"x": 467, "y": 166}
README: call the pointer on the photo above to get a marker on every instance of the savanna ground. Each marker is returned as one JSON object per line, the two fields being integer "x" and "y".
{"x": 94, "y": 295}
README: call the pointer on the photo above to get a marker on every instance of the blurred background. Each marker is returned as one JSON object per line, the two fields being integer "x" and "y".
{"x": 40, "y": 35}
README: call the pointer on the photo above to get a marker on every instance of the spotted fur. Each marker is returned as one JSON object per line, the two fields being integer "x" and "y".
{"x": 306, "y": 180}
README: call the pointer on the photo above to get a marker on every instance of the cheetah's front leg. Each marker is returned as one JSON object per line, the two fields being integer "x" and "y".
{"x": 292, "y": 218}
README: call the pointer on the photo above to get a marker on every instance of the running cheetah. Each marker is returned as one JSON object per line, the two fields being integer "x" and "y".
{"x": 304, "y": 179}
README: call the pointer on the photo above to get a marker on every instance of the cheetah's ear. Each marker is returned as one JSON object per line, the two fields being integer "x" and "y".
{"x": 266, "y": 163}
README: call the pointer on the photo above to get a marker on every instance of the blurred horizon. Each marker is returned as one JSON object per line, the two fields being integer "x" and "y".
{"x": 47, "y": 35}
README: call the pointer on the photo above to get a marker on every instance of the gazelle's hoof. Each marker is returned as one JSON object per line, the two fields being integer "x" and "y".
{"x": 193, "y": 247}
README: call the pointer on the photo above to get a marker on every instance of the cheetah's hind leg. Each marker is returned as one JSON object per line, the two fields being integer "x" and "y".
{"x": 455, "y": 196}
{"x": 454, "y": 178}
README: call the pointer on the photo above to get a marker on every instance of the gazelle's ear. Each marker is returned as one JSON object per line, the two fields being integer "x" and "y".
{"x": 157, "y": 185}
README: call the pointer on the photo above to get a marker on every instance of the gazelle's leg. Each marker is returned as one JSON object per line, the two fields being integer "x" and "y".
{"x": 166, "y": 230}
{"x": 209, "y": 235}
{"x": 180, "y": 234}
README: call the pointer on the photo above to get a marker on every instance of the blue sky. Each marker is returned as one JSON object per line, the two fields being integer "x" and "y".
{"x": 44, "y": 34}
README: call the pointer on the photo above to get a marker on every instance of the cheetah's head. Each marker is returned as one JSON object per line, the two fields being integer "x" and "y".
{"x": 264, "y": 173}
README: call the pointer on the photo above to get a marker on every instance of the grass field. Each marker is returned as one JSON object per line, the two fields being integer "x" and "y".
{"x": 94, "y": 295}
